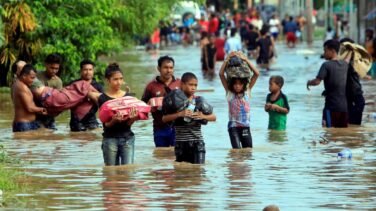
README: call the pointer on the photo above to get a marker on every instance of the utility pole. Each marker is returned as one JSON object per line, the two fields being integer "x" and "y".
{"x": 309, "y": 5}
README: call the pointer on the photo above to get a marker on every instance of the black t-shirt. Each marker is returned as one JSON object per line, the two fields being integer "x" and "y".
{"x": 251, "y": 37}
{"x": 210, "y": 52}
{"x": 118, "y": 130}
{"x": 353, "y": 86}
{"x": 334, "y": 74}
{"x": 264, "y": 44}
{"x": 90, "y": 117}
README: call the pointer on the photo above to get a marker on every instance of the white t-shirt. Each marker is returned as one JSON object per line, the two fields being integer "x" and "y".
{"x": 257, "y": 23}
{"x": 273, "y": 25}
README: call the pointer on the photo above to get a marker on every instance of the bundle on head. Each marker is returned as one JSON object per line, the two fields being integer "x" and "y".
{"x": 237, "y": 68}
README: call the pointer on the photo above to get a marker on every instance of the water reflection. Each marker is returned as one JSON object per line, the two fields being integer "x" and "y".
{"x": 122, "y": 189}
{"x": 164, "y": 153}
{"x": 276, "y": 136}
{"x": 181, "y": 186}
{"x": 239, "y": 179}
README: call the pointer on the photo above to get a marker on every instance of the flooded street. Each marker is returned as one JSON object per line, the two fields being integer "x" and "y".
{"x": 291, "y": 169}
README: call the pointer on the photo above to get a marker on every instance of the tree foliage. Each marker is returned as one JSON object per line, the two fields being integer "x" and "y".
{"x": 19, "y": 41}
{"x": 81, "y": 29}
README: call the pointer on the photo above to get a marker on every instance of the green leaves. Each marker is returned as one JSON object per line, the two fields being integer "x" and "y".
{"x": 77, "y": 29}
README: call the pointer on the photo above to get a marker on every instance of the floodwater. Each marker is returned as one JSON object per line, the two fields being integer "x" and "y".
{"x": 291, "y": 169}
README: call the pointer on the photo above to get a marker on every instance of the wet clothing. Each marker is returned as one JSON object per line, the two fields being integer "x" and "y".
{"x": 118, "y": 140}
{"x": 265, "y": 52}
{"x": 190, "y": 151}
{"x": 157, "y": 88}
{"x": 355, "y": 109}
{"x": 334, "y": 74}
{"x": 239, "y": 109}
{"x": 48, "y": 121}
{"x": 189, "y": 146}
{"x": 355, "y": 99}
{"x": 89, "y": 121}
{"x": 334, "y": 119}
{"x": 164, "y": 137}
{"x": 118, "y": 151}
{"x": 72, "y": 97}
{"x": 251, "y": 38}
{"x": 25, "y": 126}
{"x": 209, "y": 51}
{"x": 353, "y": 85}
{"x": 240, "y": 137}
{"x": 55, "y": 83}
{"x": 277, "y": 120}
{"x": 239, "y": 116}
{"x": 118, "y": 130}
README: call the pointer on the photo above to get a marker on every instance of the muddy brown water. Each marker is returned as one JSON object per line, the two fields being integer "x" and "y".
{"x": 291, "y": 169}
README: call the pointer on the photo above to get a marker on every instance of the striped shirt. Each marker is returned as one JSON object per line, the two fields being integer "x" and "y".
{"x": 239, "y": 110}
{"x": 188, "y": 132}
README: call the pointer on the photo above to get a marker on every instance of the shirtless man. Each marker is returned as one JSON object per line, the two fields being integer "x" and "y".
{"x": 25, "y": 109}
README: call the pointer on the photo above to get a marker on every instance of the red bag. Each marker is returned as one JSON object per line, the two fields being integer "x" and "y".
{"x": 123, "y": 106}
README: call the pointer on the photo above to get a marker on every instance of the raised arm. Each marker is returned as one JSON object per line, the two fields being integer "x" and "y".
{"x": 255, "y": 71}
{"x": 222, "y": 74}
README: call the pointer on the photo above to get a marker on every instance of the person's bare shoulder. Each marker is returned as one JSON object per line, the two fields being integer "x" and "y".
{"x": 23, "y": 89}
{"x": 16, "y": 87}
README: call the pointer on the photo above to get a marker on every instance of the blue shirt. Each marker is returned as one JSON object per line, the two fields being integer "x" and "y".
{"x": 291, "y": 27}
{"x": 232, "y": 44}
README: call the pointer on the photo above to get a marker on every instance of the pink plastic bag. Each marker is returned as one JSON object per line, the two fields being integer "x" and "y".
{"x": 123, "y": 106}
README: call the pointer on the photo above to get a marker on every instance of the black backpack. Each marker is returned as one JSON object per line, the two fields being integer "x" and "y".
{"x": 174, "y": 101}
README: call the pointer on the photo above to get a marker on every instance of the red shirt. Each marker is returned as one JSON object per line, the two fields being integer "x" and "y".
{"x": 157, "y": 88}
{"x": 213, "y": 25}
{"x": 204, "y": 25}
{"x": 220, "y": 45}
{"x": 155, "y": 38}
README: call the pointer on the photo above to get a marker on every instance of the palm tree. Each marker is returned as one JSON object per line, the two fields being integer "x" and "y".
{"x": 18, "y": 24}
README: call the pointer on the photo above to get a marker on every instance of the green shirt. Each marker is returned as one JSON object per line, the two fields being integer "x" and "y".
{"x": 277, "y": 121}
{"x": 55, "y": 83}
{"x": 372, "y": 71}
